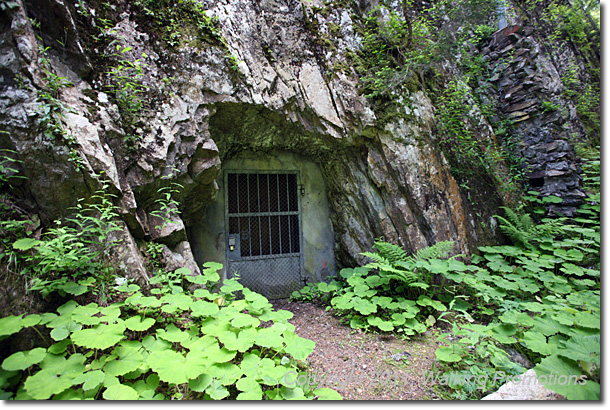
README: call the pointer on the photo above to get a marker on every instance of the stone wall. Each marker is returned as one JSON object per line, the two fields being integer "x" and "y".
{"x": 528, "y": 90}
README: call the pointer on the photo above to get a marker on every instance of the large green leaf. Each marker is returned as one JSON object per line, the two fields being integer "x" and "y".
{"x": 72, "y": 367}
{"x": 364, "y": 306}
{"x": 424, "y": 300}
{"x": 200, "y": 383}
{"x": 62, "y": 331}
{"x": 23, "y": 360}
{"x": 250, "y": 364}
{"x": 216, "y": 390}
{"x": 446, "y": 354}
{"x": 241, "y": 341}
{"x": 248, "y": 384}
{"x": 241, "y": 320}
{"x": 172, "y": 334}
{"x": 297, "y": 346}
{"x": 173, "y": 367}
{"x": 70, "y": 394}
{"x": 25, "y": 244}
{"x": 85, "y": 314}
{"x": 90, "y": 380}
{"x": 325, "y": 393}
{"x": 214, "y": 326}
{"x": 548, "y": 326}
{"x": 554, "y": 367}
{"x": 269, "y": 337}
{"x": 10, "y": 325}
{"x": 517, "y": 318}
{"x": 226, "y": 373}
{"x": 174, "y": 302}
{"x": 153, "y": 344}
{"x": 139, "y": 324}
{"x": 128, "y": 359}
{"x": 120, "y": 392}
{"x": 203, "y": 308}
{"x": 46, "y": 383}
{"x": 99, "y": 337}
{"x": 586, "y": 319}
{"x": 230, "y": 286}
{"x": 585, "y": 348}
{"x": 74, "y": 288}
{"x": 250, "y": 395}
{"x": 292, "y": 393}
{"x": 503, "y": 333}
{"x": 538, "y": 343}
{"x": 208, "y": 344}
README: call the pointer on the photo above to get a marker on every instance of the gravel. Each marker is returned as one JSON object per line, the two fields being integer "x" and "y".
{"x": 361, "y": 366}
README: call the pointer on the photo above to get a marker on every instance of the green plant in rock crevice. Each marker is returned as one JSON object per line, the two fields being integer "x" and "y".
{"x": 73, "y": 257}
{"x": 53, "y": 109}
{"x": 125, "y": 83}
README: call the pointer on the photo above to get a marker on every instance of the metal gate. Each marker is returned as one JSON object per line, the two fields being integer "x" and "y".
{"x": 263, "y": 225}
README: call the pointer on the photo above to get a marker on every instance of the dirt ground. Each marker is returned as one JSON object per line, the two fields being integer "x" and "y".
{"x": 362, "y": 366}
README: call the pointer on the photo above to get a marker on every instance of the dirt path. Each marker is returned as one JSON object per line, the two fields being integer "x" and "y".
{"x": 358, "y": 365}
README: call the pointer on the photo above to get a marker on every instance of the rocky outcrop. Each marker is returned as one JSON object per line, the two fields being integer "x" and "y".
{"x": 263, "y": 85}
{"x": 529, "y": 93}
{"x": 525, "y": 387}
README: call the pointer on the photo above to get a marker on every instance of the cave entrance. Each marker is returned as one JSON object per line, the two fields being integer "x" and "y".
{"x": 263, "y": 231}
{"x": 273, "y": 209}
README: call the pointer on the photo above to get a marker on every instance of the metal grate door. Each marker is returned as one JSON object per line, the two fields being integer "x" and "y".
{"x": 262, "y": 222}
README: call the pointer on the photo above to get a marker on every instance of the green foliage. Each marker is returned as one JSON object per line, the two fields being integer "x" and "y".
{"x": 591, "y": 167}
{"x": 586, "y": 97}
{"x": 125, "y": 84}
{"x": 177, "y": 21}
{"x": 389, "y": 294}
{"x": 400, "y": 47}
{"x": 53, "y": 109}
{"x": 73, "y": 257}
{"x": 8, "y": 170}
{"x": 470, "y": 155}
{"x": 165, "y": 204}
{"x": 522, "y": 229}
{"x": 541, "y": 297}
{"x": 161, "y": 347}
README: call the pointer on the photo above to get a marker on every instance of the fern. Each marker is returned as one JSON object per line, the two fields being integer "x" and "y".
{"x": 393, "y": 253}
{"x": 440, "y": 250}
{"x": 393, "y": 262}
{"x": 522, "y": 230}
{"x": 378, "y": 258}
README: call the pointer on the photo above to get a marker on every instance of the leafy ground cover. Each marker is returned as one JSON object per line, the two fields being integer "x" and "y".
{"x": 539, "y": 296}
{"x": 173, "y": 344}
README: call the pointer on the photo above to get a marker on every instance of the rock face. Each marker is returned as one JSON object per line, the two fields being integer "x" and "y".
{"x": 264, "y": 87}
{"x": 528, "y": 91}
{"x": 526, "y": 387}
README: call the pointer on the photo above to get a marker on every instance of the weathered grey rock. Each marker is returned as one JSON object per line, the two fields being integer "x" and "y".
{"x": 525, "y": 388}
{"x": 127, "y": 258}
{"x": 518, "y": 358}
{"x": 180, "y": 257}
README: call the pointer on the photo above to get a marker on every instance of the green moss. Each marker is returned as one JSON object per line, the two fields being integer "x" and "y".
{"x": 334, "y": 29}
{"x": 180, "y": 23}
